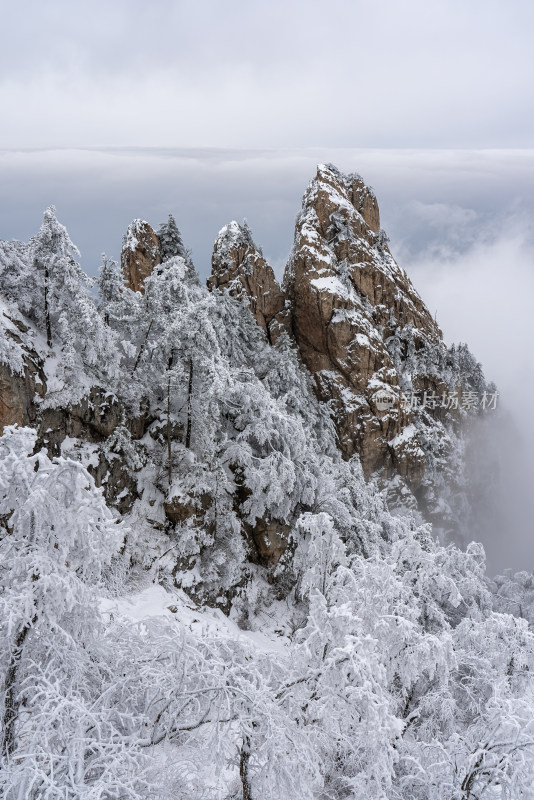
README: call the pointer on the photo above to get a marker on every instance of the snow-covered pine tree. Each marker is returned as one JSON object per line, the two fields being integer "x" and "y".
{"x": 111, "y": 288}
{"x": 338, "y": 687}
{"x": 57, "y": 273}
{"x": 170, "y": 240}
{"x": 56, "y": 537}
{"x": 172, "y": 245}
{"x": 54, "y": 292}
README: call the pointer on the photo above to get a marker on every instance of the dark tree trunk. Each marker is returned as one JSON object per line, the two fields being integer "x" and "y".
{"x": 189, "y": 392}
{"x": 244, "y": 758}
{"x": 12, "y": 704}
{"x": 169, "y": 449}
{"x": 47, "y": 310}
{"x": 140, "y": 353}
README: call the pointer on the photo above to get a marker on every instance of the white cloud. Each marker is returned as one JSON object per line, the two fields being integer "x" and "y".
{"x": 444, "y": 215}
{"x": 485, "y": 297}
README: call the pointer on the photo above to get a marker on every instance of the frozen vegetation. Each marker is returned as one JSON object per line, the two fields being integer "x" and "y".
{"x": 199, "y": 596}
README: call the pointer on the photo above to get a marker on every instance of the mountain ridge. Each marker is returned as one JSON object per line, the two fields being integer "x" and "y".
{"x": 346, "y": 320}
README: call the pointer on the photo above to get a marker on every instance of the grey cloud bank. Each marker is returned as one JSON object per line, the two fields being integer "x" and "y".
{"x": 432, "y": 201}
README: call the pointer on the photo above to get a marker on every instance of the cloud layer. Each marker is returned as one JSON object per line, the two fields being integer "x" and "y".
{"x": 432, "y": 201}
{"x": 483, "y": 296}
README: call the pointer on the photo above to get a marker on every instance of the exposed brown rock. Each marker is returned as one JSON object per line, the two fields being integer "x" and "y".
{"x": 346, "y": 295}
{"x": 271, "y": 539}
{"x": 364, "y": 200}
{"x": 239, "y": 266}
{"x": 117, "y": 480}
{"x": 180, "y": 508}
{"x": 141, "y": 252}
{"x": 19, "y": 390}
{"x": 15, "y": 393}
{"x": 93, "y": 419}
{"x": 408, "y": 457}
{"x": 346, "y": 291}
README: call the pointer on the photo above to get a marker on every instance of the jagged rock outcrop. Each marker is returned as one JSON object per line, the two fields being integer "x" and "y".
{"x": 92, "y": 419}
{"x": 17, "y": 393}
{"x": 180, "y": 508}
{"x": 100, "y": 421}
{"x": 347, "y": 296}
{"x": 141, "y": 252}
{"x": 364, "y": 201}
{"x": 271, "y": 539}
{"x": 344, "y": 297}
{"x": 21, "y": 381}
{"x": 239, "y": 266}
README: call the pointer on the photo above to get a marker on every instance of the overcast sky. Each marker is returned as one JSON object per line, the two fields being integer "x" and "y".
{"x": 217, "y": 110}
{"x": 267, "y": 73}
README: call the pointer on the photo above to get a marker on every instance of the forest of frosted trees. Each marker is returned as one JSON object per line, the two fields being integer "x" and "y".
{"x": 146, "y": 656}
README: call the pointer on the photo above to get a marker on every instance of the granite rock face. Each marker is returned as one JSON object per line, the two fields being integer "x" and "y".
{"x": 271, "y": 540}
{"x": 23, "y": 381}
{"x": 344, "y": 297}
{"x": 93, "y": 419}
{"x": 239, "y": 266}
{"x": 141, "y": 253}
{"x": 347, "y": 296}
{"x": 17, "y": 393}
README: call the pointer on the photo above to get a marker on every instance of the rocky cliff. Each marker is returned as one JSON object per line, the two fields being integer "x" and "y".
{"x": 141, "y": 253}
{"x": 238, "y": 265}
{"x": 347, "y": 296}
{"x": 357, "y": 323}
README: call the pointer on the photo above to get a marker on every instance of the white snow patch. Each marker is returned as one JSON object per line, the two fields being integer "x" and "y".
{"x": 155, "y": 602}
{"x": 332, "y": 285}
{"x": 405, "y": 435}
